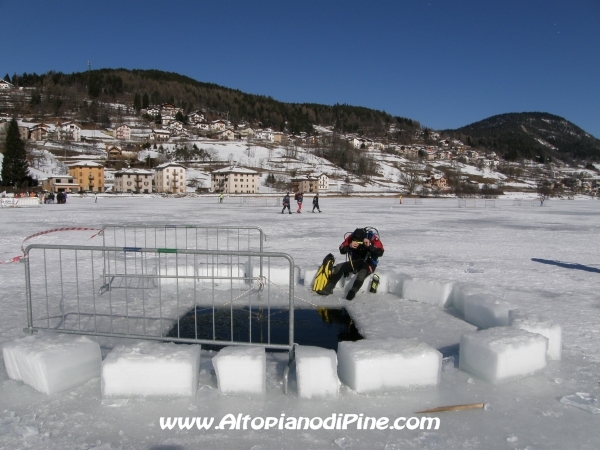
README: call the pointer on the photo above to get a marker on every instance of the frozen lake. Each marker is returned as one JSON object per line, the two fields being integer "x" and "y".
{"x": 542, "y": 259}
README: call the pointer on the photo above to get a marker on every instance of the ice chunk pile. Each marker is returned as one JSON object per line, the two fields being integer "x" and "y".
{"x": 502, "y": 353}
{"x": 460, "y": 292}
{"x": 51, "y": 362}
{"x": 241, "y": 370}
{"x": 486, "y": 312}
{"x": 396, "y": 282}
{"x": 432, "y": 292}
{"x": 380, "y": 364}
{"x": 316, "y": 372}
{"x": 151, "y": 369}
{"x": 543, "y": 326}
{"x": 309, "y": 277}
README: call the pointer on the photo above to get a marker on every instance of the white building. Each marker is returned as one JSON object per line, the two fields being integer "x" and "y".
{"x": 196, "y": 117}
{"x": 245, "y": 132}
{"x": 153, "y": 112}
{"x": 60, "y": 183}
{"x": 109, "y": 180}
{"x": 168, "y": 109}
{"x": 268, "y": 134}
{"x": 170, "y": 177}
{"x": 166, "y": 119}
{"x": 225, "y": 135}
{"x": 136, "y": 181}
{"x": 68, "y": 131}
{"x": 39, "y": 132}
{"x": 218, "y": 125}
{"x": 323, "y": 180}
{"x": 123, "y": 132}
{"x": 6, "y": 85}
{"x": 175, "y": 126}
{"x": 235, "y": 180}
{"x": 304, "y": 184}
{"x": 160, "y": 135}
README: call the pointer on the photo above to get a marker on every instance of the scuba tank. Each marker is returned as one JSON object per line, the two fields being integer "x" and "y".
{"x": 374, "y": 283}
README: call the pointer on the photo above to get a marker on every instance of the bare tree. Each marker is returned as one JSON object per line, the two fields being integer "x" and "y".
{"x": 291, "y": 150}
{"x": 346, "y": 189}
{"x": 35, "y": 157}
{"x": 410, "y": 176}
{"x": 543, "y": 187}
{"x": 196, "y": 183}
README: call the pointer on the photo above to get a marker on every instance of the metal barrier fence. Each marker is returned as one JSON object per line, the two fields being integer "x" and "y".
{"x": 410, "y": 201}
{"x": 213, "y": 297}
{"x": 530, "y": 202}
{"x": 19, "y": 202}
{"x": 466, "y": 203}
{"x": 193, "y": 237}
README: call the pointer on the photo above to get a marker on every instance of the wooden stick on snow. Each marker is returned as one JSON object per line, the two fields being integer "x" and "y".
{"x": 453, "y": 408}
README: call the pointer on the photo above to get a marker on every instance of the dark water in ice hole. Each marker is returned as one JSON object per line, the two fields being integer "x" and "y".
{"x": 322, "y": 327}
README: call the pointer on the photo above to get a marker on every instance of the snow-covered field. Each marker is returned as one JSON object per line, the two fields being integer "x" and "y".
{"x": 492, "y": 248}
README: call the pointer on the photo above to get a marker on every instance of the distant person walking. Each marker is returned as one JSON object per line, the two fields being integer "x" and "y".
{"x": 400, "y": 199}
{"x": 221, "y": 198}
{"x": 286, "y": 203}
{"x": 299, "y": 199}
{"x": 316, "y": 202}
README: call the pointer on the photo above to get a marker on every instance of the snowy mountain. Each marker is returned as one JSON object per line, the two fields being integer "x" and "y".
{"x": 533, "y": 135}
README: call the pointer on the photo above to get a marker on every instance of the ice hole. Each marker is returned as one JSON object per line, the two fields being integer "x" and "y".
{"x": 321, "y": 327}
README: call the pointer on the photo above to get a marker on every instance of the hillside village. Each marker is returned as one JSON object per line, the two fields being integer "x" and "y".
{"x": 160, "y": 149}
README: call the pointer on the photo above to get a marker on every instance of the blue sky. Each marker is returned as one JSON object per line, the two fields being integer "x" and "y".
{"x": 444, "y": 63}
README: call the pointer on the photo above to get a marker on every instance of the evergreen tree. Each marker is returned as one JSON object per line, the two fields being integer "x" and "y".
{"x": 180, "y": 117}
{"x": 36, "y": 98}
{"x": 145, "y": 101}
{"x": 15, "y": 169}
{"x": 137, "y": 102}
{"x": 7, "y": 78}
{"x": 94, "y": 84}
